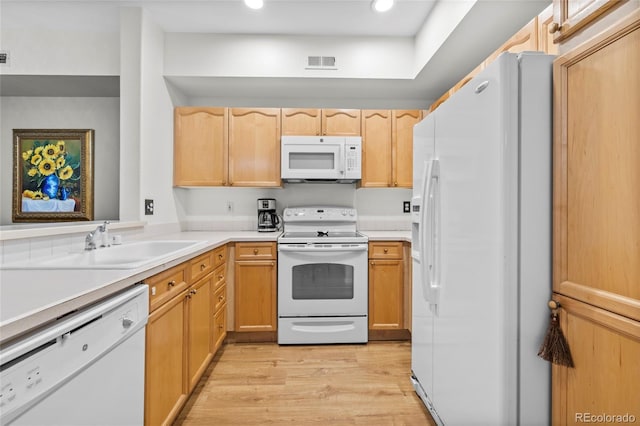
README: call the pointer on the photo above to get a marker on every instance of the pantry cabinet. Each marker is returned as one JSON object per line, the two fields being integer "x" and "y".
{"x": 316, "y": 122}
{"x": 596, "y": 224}
{"x": 200, "y": 146}
{"x": 255, "y": 287}
{"x": 569, "y": 16}
{"x": 254, "y": 147}
{"x": 387, "y": 147}
{"x": 386, "y": 286}
{"x": 181, "y": 331}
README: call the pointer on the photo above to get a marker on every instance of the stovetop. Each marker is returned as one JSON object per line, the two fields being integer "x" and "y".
{"x": 320, "y": 224}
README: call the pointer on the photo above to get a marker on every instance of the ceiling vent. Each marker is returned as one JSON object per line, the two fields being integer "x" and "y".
{"x": 321, "y": 63}
{"x": 4, "y": 57}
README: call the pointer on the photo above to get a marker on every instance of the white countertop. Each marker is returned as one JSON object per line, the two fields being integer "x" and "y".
{"x": 32, "y": 298}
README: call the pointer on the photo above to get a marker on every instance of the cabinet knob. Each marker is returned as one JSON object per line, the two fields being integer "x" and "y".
{"x": 554, "y": 27}
{"x": 386, "y": 250}
{"x": 373, "y": 263}
{"x": 193, "y": 291}
{"x": 171, "y": 283}
{"x": 220, "y": 298}
{"x": 255, "y": 251}
{"x": 202, "y": 267}
{"x": 273, "y": 264}
{"x": 220, "y": 327}
{"x": 220, "y": 256}
{"x": 220, "y": 277}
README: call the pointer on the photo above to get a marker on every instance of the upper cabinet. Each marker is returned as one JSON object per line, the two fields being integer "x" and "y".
{"x": 200, "y": 146}
{"x": 254, "y": 147}
{"x": 534, "y": 36}
{"x": 526, "y": 39}
{"x": 569, "y": 16}
{"x": 316, "y": 122}
{"x": 387, "y": 147}
{"x": 402, "y": 122}
{"x": 301, "y": 121}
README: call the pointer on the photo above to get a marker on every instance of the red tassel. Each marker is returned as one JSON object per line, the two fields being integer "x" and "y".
{"x": 554, "y": 348}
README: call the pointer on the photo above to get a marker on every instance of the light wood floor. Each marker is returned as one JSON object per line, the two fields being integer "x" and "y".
{"x": 250, "y": 384}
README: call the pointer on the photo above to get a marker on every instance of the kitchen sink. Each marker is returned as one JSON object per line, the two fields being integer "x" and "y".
{"x": 126, "y": 256}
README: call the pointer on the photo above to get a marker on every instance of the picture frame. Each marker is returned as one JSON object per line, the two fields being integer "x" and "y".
{"x": 53, "y": 175}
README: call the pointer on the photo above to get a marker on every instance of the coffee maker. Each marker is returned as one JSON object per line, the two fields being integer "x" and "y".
{"x": 268, "y": 219}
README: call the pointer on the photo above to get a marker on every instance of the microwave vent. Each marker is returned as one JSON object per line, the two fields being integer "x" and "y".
{"x": 321, "y": 62}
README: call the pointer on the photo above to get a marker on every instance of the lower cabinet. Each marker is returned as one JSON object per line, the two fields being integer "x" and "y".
{"x": 386, "y": 286}
{"x": 188, "y": 303}
{"x": 165, "y": 390}
{"x": 255, "y": 287}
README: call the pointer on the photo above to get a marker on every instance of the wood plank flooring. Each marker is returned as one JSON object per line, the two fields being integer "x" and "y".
{"x": 263, "y": 383}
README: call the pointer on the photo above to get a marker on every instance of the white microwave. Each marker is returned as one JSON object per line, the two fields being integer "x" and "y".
{"x": 321, "y": 158}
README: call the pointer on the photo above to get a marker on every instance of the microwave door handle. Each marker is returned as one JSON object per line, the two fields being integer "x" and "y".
{"x": 341, "y": 158}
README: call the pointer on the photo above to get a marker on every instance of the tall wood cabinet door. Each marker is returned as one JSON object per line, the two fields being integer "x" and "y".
{"x": 571, "y": 15}
{"x": 402, "y": 123}
{"x": 200, "y": 146}
{"x": 376, "y": 148}
{"x": 165, "y": 384}
{"x": 301, "y": 121}
{"x": 386, "y": 294}
{"x": 199, "y": 327}
{"x": 255, "y": 296}
{"x": 254, "y": 147}
{"x": 341, "y": 122}
{"x": 545, "y": 38}
{"x": 596, "y": 220}
{"x": 605, "y": 348}
{"x": 526, "y": 39}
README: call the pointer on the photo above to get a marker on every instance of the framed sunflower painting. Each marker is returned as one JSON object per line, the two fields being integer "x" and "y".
{"x": 52, "y": 175}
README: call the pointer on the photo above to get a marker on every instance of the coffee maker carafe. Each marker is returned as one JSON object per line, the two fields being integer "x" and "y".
{"x": 268, "y": 219}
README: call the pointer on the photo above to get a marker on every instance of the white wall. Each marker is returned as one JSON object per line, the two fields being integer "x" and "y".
{"x": 100, "y": 114}
{"x": 378, "y": 208}
{"x": 217, "y": 55}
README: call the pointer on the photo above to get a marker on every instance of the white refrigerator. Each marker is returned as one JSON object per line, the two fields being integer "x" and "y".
{"x": 481, "y": 248}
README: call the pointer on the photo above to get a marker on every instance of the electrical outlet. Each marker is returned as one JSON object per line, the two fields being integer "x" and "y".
{"x": 228, "y": 206}
{"x": 148, "y": 207}
{"x": 406, "y": 206}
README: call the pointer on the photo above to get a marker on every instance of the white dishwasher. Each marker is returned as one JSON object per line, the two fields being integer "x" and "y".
{"x": 87, "y": 368}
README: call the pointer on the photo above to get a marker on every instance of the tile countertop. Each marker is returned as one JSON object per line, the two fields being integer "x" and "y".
{"x": 32, "y": 298}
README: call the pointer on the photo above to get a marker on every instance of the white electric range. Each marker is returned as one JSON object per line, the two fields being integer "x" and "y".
{"x": 322, "y": 277}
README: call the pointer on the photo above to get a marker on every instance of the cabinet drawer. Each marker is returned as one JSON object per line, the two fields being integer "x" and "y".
{"x": 201, "y": 266}
{"x": 255, "y": 251}
{"x": 165, "y": 285}
{"x": 385, "y": 250}
{"x": 219, "y": 256}
{"x": 219, "y": 275}
{"x": 219, "y": 297}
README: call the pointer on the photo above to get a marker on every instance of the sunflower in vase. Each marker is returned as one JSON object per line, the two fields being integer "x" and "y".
{"x": 50, "y": 171}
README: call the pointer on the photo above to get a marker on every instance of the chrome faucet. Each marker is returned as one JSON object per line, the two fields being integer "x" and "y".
{"x": 92, "y": 237}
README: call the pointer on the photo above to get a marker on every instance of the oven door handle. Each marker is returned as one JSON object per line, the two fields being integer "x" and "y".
{"x": 311, "y": 248}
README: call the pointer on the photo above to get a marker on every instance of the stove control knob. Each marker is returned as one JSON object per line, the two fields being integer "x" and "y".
{"x": 288, "y": 212}
{"x": 344, "y": 212}
{"x": 352, "y": 212}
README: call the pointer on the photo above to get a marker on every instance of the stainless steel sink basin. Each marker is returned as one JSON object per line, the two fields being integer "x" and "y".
{"x": 125, "y": 256}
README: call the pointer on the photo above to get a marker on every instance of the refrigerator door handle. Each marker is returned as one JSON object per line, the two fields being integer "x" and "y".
{"x": 434, "y": 237}
{"x": 424, "y": 221}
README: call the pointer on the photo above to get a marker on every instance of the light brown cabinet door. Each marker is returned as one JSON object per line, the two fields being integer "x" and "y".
{"x": 165, "y": 384}
{"x": 596, "y": 171}
{"x": 606, "y": 379}
{"x": 526, "y": 39}
{"x": 545, "y": 38}
{"x": 255, "y": 295}
{"x": 386, "y": 294}
{"x": 301, "y": 121}
{"x": 199, "y": 326}
{"x": 254, "y": 147}
{"x": 376, "y": 148}
{"x": 200, "y": 146}
{"x": 341, "y": 122}
{"x": 219, "y": 327}
{"x": 572, "y": 15}
{"x": 402, "y": 122}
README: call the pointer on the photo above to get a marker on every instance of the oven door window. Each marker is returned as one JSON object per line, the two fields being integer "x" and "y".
{"x": 322, "y": 281}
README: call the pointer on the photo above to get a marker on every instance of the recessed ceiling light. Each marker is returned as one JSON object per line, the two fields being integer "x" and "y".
{"x": 254, "y": 4}
{"x": 382, "y": 5}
